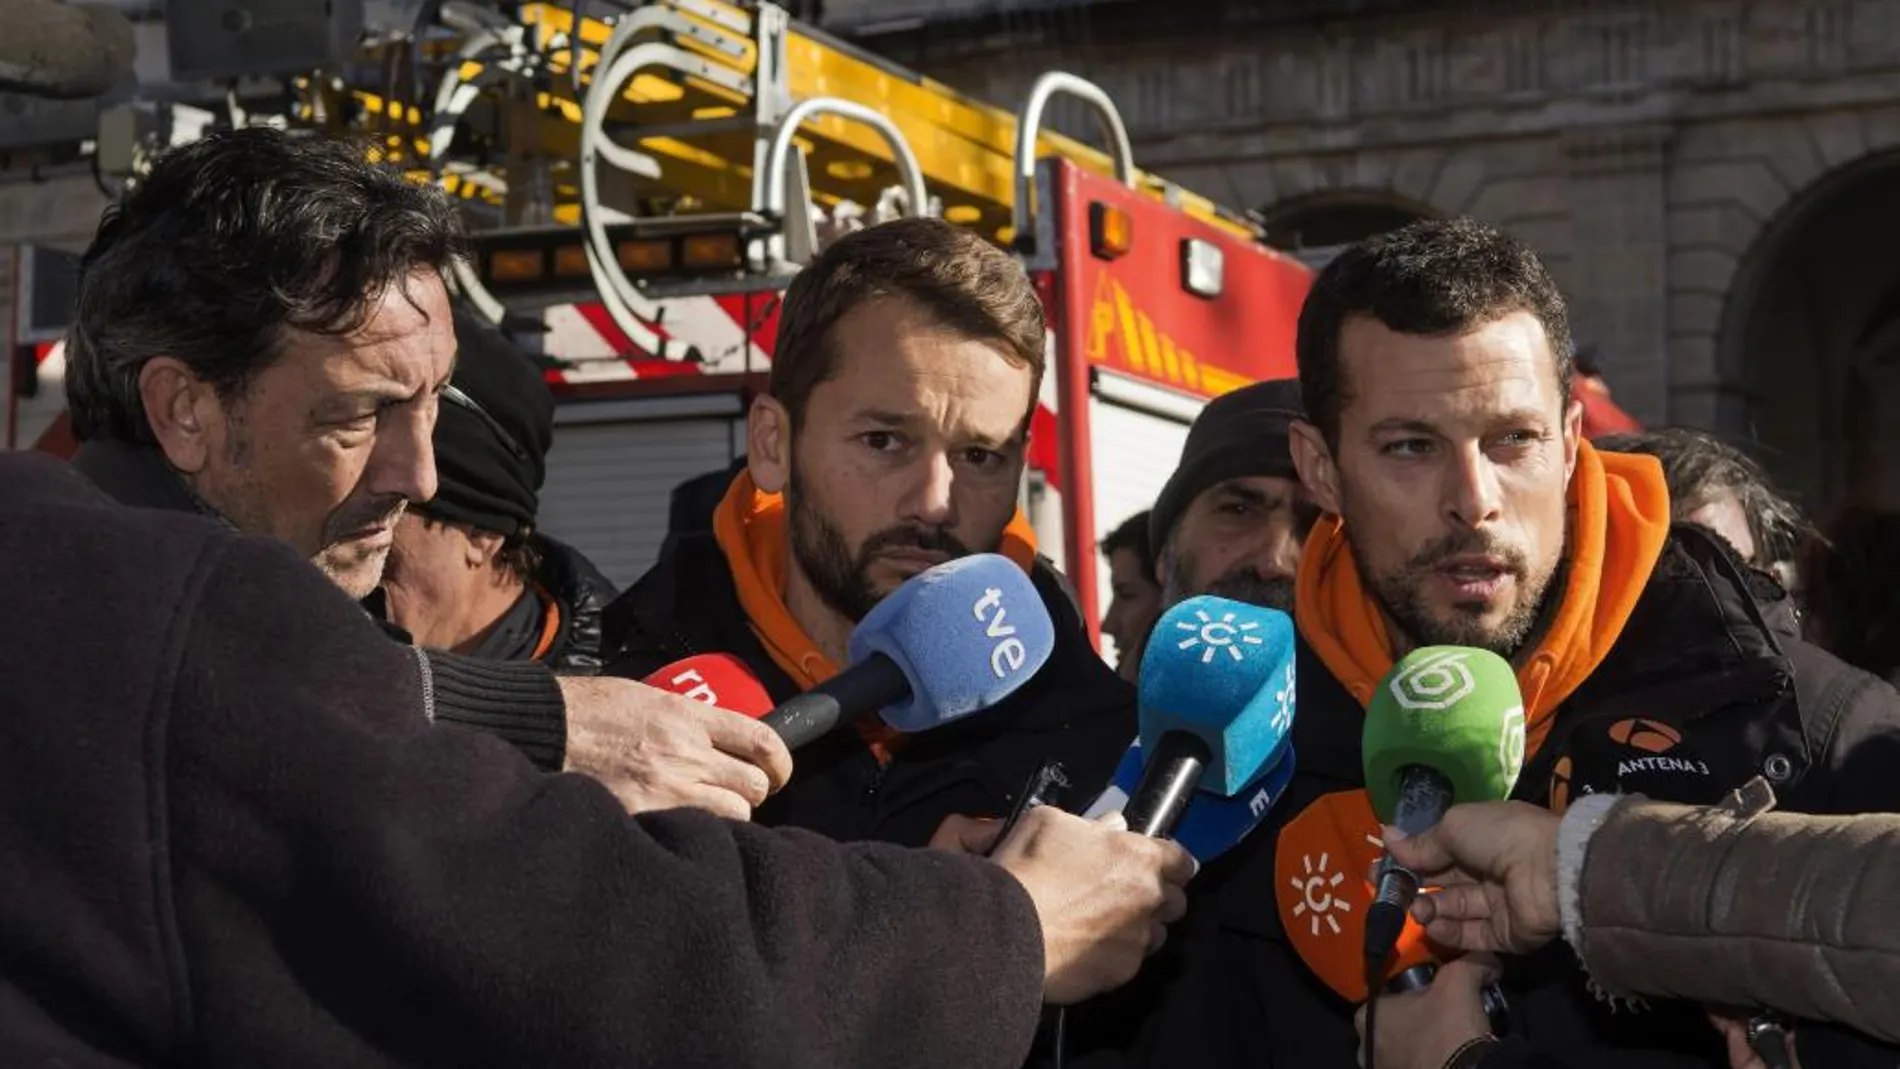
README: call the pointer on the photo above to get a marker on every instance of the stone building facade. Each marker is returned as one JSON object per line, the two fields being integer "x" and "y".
{"x": 1715, "y": 183}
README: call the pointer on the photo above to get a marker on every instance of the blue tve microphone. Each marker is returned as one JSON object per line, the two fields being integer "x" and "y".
{"x": 1216, "y": 709}
{"x": 950, "y": 641}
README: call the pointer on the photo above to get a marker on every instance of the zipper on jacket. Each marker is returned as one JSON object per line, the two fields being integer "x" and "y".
{"x": 876, "y": 784}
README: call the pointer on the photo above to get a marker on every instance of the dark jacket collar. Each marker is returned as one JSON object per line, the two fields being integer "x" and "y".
{"x": 583, "y": 593}
{"x": 139, "y": 476}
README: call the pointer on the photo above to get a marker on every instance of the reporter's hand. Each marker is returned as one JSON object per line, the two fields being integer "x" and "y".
{"x": 966, "y": 835}
{"x": 657, "y": 750}
{"x": 1422, "y": 1029}
{"x": 1732, "y": 1026}
{"x": 1495, "y": 865}
{"x": 1104, "y": 896}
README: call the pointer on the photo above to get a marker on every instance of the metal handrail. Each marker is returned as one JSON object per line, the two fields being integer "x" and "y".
{"x": 1029, "y": 128}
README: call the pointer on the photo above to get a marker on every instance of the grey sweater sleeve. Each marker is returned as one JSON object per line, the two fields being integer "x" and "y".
{"x": 516, "y": 700}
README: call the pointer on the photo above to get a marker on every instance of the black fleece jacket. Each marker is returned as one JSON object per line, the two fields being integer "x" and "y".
{"x": 230, "y": 837}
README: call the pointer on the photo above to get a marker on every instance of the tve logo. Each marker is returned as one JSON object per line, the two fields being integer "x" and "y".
{"x": 1008, "y": 654}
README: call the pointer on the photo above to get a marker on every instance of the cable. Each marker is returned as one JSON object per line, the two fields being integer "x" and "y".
{"x": 1375, "y": 966}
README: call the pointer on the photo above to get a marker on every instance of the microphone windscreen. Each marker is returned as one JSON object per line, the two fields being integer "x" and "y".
{"x": 966, "y": 634}
{"x": 1453, "y": 709}
{"x": 718, "y": 679}
{"x": 1323, "y": 887}
{"x": 1222, "y": 671}
{"x": 1212, "y": 824}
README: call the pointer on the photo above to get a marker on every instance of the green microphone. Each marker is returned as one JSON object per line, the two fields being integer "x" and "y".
{"x": 1445, "y": 727}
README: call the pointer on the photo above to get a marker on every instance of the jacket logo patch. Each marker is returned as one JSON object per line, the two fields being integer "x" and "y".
{"x": 1650, "y": 736}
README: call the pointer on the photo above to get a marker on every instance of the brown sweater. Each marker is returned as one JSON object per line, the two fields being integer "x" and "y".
{"x": 229, "y": 837}
{"x": 1733, "y": 905}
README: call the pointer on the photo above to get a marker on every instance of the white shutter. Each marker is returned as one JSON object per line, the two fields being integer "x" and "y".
{"x": 1137, "y": 432}
{"x": 614, "y": 465}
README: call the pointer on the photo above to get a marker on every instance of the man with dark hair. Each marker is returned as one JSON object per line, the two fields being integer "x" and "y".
{"x": 1721, "y": 488}
{"x": 1134, "y": 592}
{"x": 1231, "y": 518}
{"x": 262, "y": 334}
{"x": 231, "y": 838}
{"x": 468, "y": 570}
{"x": 891, "y": 438}
{"x": 1462, "y": 507}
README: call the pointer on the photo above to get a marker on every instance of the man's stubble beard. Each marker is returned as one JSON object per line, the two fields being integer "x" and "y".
{"x": 839, "y": 577}
{"x": 1399, "y": 596}
{"x": 242, "y": 498}
{"x": 1243, "y": 583}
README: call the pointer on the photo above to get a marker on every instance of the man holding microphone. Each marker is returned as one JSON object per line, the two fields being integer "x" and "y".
{"x": 233, "y": 837}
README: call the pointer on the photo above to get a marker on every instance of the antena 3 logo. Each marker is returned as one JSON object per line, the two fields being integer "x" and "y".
{"x": 1438, "y": 681}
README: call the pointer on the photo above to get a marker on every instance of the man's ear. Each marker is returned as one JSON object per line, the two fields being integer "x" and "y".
{"x": 482, "y": 548}
{"x": 1314, "y": 461}
{"x": 768, "y": 433}
{"x": 1573, "y": 437}
{"x": 184, "y": 412}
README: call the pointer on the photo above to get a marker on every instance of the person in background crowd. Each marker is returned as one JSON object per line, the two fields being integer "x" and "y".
{"x": 1463, "y": 507}
{"x": 1641, "y": 891}
{"x": 262, "y": 335}
{"x": 468, "y": 569}
{"x": 1134, "y": 592}
{"x": 1601, "y": 414}
{"x": 1232, "y": 517}
{"x": 1850, "y": 575}
{"x": 891, "y": 438}
{"x": 1719, "y": 487}
{"x": 232, "y": 838}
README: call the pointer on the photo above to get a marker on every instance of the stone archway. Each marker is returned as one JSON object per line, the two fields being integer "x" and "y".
{"x": 1810, "y": 336}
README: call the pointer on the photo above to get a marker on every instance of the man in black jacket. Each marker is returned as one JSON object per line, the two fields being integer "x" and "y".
{"x": 232, "y": 837}
{"x": 1463, "y": 507}
{"x": 262, "y": 334}
{"x": 468, "y": 569}
{"x": 891, "y": 439}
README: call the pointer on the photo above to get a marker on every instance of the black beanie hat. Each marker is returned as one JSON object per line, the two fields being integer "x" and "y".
{"x": 492, "y": 434}
{"x": 1245, "y": 432}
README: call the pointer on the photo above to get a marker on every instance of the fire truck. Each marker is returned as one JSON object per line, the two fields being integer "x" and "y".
{"x": 643, "y": 182}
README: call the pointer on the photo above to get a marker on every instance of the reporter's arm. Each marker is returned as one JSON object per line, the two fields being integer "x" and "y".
{"x": 1783, "y": 910}
{"x": 349, "y": 885}
{"x": 519, "y": 701}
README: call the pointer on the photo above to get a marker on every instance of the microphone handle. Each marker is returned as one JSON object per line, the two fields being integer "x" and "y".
{"x": 865, "y": 687}
{"x": 1424, "y": 795}
{"x": 1497, "y": 1009}
{"x": 1167, "y": 784}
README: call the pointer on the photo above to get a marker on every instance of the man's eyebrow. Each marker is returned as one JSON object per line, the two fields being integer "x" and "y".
{"x": 1248, "y": 495}
{"x": 1408, "y": 426}
{"x": 884, "y": 417}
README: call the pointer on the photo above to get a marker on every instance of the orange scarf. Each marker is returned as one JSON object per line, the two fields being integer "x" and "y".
{"x": 750, "y": 526}
{"x": 1619, "y": 519}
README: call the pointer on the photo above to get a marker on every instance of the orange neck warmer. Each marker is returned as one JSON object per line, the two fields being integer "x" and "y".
{"x": 1619, "y": 520}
